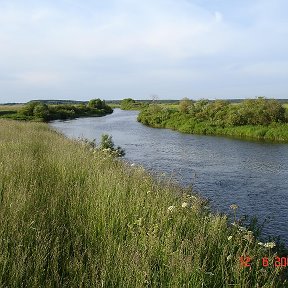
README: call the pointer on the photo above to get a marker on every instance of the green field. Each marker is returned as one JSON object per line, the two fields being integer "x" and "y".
{"x": 72, "y": 216}
{"x": 10, "y": 107}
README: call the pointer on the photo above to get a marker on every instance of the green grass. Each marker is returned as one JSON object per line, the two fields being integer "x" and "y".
{"x": 114, "y": 105}
{"x": 71, "y": 216}
{"x": 10, "y": 107}
{"x": 10, "y": 110}
{"x": 162, "y": 117}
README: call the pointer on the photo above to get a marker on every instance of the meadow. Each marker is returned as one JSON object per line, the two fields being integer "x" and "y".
{"x": 9, "y": 109}
{"x": 74, "y": 216}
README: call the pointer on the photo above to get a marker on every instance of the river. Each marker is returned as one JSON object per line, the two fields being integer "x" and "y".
{"x": 253, "y": 175}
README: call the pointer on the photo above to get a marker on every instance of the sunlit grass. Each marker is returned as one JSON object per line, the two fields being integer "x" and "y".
{"x": 10, "y": 107}
{"x": 71, "y": 216}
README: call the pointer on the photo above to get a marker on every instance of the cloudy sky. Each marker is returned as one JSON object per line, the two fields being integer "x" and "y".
{"x": 114, "y": 49}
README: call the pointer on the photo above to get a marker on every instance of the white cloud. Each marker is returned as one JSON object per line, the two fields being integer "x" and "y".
{"x": 170, "y": 31}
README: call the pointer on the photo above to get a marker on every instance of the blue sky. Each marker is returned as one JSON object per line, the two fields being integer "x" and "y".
{"x": 114, "y": 49}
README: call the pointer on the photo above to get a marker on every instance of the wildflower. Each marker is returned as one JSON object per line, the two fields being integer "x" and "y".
{"x": 270, "y": 245}
{"x": 233, "y": 207}
{"x": 242, "y": 229}
{"x": 184, "y": 205}
{"x": 229, "y": 257}
{"x": 171, "y": 208}
{"x": 267, "y": 245}
{"x": 133, "y": 164}
{"x": 229, "y": 238}
{"x": 148, "y": 192}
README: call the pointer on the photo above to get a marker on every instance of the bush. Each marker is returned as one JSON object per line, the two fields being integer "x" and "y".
{"x": 107, "y": 145}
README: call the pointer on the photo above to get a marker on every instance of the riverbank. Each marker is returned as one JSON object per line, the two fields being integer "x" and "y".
{"x": 71, "y": 216}
{"x": 258, "y": 119}
{"x": 41, "y": 112}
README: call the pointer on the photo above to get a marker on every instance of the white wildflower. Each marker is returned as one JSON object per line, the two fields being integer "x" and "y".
{"x": 133, "y": 164}
{"x": 233, "y": 207}
{"x": 242, "y": 229}
{"x": 229, "y": 257}
{"x": 171, "y": 208}
{"x": 270, "y": 245}
{"x": 139, "y": 221}
{"x": 229, "y": 238}
{"x": 184, "y": 205}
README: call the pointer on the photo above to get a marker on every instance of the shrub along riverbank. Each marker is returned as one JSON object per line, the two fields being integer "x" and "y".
{"x": 253, "y": 118}
{"x": 73, "y": 216}
{"x": 41, "y": 112}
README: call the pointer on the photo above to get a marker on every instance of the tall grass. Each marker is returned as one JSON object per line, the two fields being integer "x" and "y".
{"x": 74, "y": 217}
{"x": 15, "y": 107}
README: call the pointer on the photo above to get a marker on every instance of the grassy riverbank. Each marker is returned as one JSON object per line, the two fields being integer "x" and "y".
{"x": 72, "y": 216}
{"x": 42, "y": 112}
{"x": 260, "y": 118}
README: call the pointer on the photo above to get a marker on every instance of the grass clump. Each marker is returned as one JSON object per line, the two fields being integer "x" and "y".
{"x": 71, "y": 216}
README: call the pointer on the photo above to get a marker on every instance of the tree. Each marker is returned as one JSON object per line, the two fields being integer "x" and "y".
{"x": 127, "y": 103}
{"x": 184, "y": 105}
{"x": 41, "y": 111}
{"x": 28, "y": 109}
{"x": 97, "y": 103}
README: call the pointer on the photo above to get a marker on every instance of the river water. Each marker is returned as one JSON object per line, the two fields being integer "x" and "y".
{"x": 253, "y": 175}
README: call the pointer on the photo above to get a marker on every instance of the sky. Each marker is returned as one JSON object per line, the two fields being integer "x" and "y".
{"x": 115, "y": 49}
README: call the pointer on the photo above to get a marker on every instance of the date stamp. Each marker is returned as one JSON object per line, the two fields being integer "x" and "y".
{"x": 246, "y": 261}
